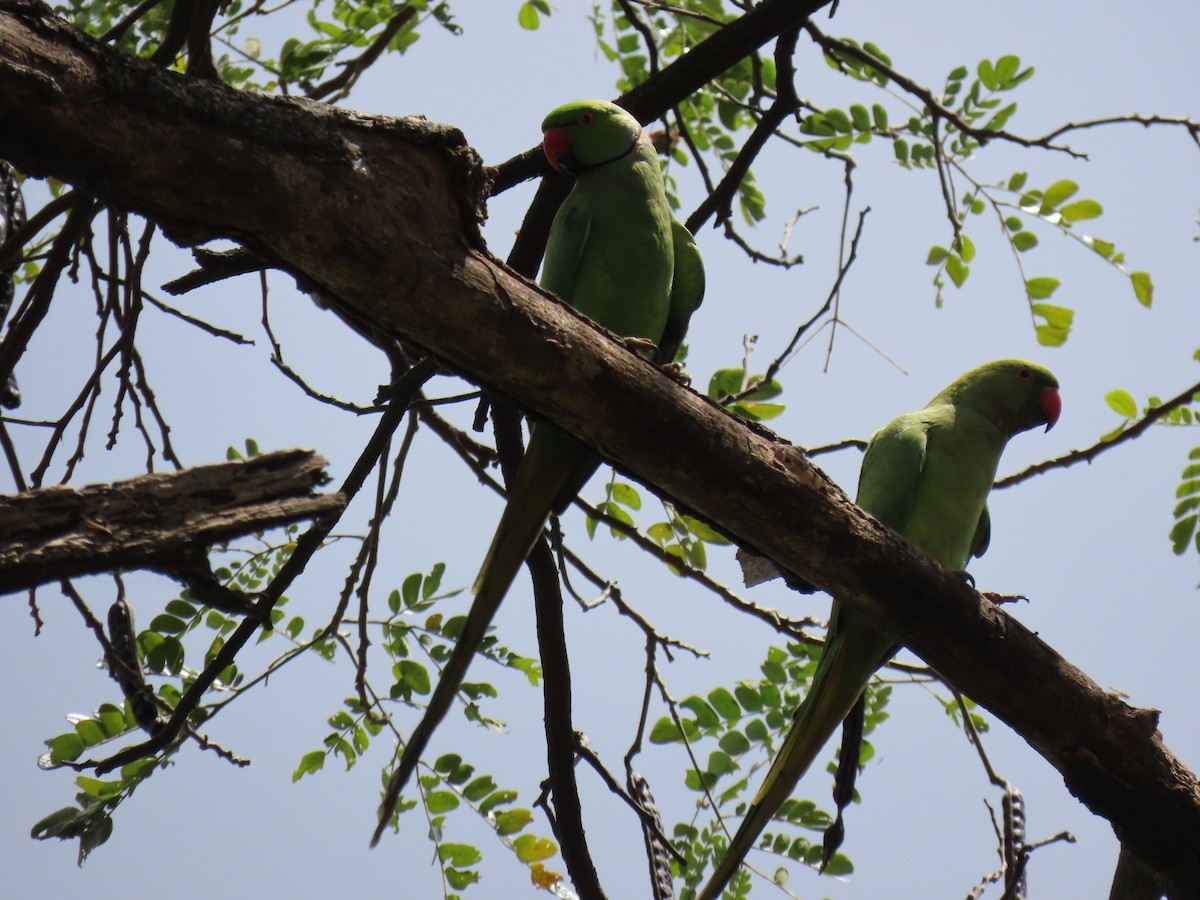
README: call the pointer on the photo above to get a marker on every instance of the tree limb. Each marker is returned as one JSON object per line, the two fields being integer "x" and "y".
{"x": 154, "y": 521}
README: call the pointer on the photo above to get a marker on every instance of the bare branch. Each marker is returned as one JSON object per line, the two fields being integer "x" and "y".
{"x": 153, "y": 520}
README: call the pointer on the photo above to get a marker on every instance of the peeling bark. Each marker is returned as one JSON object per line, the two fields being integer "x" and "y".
{"x": 158, "y": 522}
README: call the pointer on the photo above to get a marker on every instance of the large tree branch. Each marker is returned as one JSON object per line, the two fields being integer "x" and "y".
{"x": 154, "y": 521}
{"x": 379, "y": 212}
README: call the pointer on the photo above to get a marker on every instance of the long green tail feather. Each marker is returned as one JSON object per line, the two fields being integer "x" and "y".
{"x": 842, "y": 673}
{"x": 553, "y": 464}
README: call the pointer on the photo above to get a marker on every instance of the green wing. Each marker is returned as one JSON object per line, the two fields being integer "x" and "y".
{"x": 891, "y": 469}
{"x": 687, "y": 291}
{"x": 564, "y": 249}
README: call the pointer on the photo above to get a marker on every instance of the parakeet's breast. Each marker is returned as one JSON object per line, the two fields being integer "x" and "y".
{"x": 623, "y": 277}
{"x": 960, "y": 467}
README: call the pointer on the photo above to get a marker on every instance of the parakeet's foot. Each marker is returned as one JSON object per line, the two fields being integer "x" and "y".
{"x": 967, "y": 577}
{"x": 675, "y": 372}
{"x": 644, "y": 348}
{"x": 1001, "y": 599}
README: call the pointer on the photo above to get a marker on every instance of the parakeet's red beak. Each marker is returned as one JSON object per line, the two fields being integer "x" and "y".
{"x": 557, "y": 145}
{"x": 1051, "y": 406}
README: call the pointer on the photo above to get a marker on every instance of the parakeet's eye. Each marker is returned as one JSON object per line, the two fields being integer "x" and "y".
{"x": 587, "y": 118}
{"x": 1024, "y": 374}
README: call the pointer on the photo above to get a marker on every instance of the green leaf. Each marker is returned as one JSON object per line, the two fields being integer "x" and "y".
{"x": 453, "y": 768}
{"x": 734, "y": 743}
{"x": 1000, "y": 119}
{"x": 66, "y": 747}
{"x": 756, "y": 730}
{"x": 90, "y": 731}
{"x": 460, "y": 879}
{"x": 627, "y": 495}
{"x": 1058, "y": 323}
{"x": 1017, "y": 180}
{"x": 860, "y": 117}
{"x": 512, "y": 821}
{"x": 1080, "y": 210}
{"x": 839, "y": 865}
{"x": 966, "y": 248}
{"x": 665, "y": 731}
{"x": 441, "y": 801}
{"x": 1187, "y": 488}
{"x": 1041, "y": 288}
{"x": 759, "y": 412}
{"x": 1122, "y": 403}
{"x": 414, "y": 675}
{"x": 880, "y": 116}
{"x": 725, "y": 383}
{"x": 839, "y": 120}
{"x": 112, "y": 720}
{"x": 479, "y": 788}
{"x": 957, "y": 269}
{"x": 181, "y": 608}
{"x": 724, "y": 703}
{"x": 1057, "y": 193}
{"x": 774, "y": 672}
{"x": 1006, "y": 68}
{"x": 1143, "y": 288}
{"x": 706, "y": 716}
{"x": 497, "y": 798}
{"x": 459, "y": 854}
{"x": 411, "y": 589}
{"x": 936, "y": 255}
{"x": 704, "y": 531}
{"x": 531, "y": 848}
{"x": 433, "y": 581}
{"x": 1181, "y": 534}
{"x": 527, "y": 17}
{"x": 750, "y": 699}
{"x": 166, "y": 624}
{"x": 719, "y": 763}
{"x": 310, "y": 762}
{"x": 1058, "y": 316}
{"x": 987, "y": 74}
{"x": 1024, "y": 240}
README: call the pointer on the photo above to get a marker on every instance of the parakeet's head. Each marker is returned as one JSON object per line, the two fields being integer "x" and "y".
{"x": 589, "y": 133}
{"x": 1014, "y": 394}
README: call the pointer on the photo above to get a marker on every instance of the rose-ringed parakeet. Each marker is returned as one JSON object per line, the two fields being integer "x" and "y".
{"x": 614, "y": 254}
{"x": 926, "y": 475}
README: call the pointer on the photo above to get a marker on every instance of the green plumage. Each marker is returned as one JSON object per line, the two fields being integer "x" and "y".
{"x": 926, "y": 475}
{"x": 612, "y": 255}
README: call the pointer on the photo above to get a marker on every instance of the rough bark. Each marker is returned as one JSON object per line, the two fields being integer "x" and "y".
{"x": 154, "y": 521}
{"x": 380, "y": 213}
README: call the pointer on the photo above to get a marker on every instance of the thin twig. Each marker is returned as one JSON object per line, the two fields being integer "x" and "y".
{"x": 835, "y": 47}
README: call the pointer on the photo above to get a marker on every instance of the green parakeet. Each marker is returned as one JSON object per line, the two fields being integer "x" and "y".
{"x": 616, "y": 255}
{"x": 926, "y": 475}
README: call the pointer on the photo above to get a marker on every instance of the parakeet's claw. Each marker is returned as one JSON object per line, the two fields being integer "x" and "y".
{"x": 675, "y": 372}
{"x": 1001, "y": 599}
{"x": 644, "y": 348}
{"x": 967, "y": 577}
